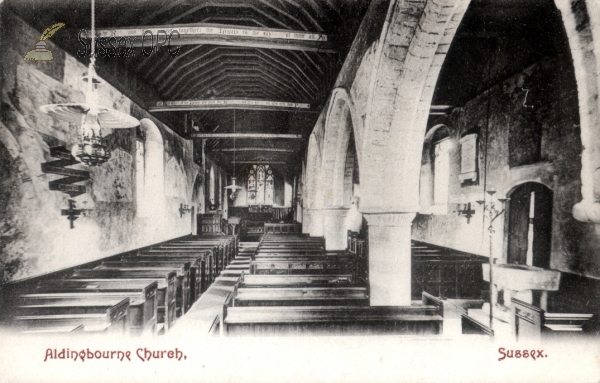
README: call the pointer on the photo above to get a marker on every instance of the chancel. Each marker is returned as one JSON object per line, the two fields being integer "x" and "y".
{"x": 256, "y": 168}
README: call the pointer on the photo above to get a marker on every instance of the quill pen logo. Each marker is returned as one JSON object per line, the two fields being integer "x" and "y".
{"x": 41, "y": 53}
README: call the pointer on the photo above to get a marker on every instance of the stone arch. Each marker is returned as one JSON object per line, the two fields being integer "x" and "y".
{"x": 198, "y": 190}
{"x": 341, "y": 124}
{"x": 313, "y": 174}
{"x": 411, "y": 51}
{"x": 312, "y": 222}
{"x": 581, "y": 19}
{"x": 431, "y": 133}
{"x": 152, "y": 201}
{"x": 350, "y": 173}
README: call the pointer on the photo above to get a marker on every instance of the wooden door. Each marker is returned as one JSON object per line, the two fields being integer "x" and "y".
{"x": 518, "y": 224}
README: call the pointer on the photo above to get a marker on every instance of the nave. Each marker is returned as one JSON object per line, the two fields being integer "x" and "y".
{"x": 348, "y": 167}
{"x": 285, "y": 285}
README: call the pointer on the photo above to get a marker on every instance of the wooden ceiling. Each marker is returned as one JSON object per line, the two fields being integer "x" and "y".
{"x": 283, "y": 55}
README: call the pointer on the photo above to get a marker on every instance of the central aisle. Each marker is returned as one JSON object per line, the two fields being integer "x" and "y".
{"x": 201, "y": 316}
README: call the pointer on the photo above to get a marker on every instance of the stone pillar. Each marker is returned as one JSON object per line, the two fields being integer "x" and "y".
{"x": 316, "y": 223}
{"x": 334, "y": 228}
{"x": 306, "y": 221}
{"x": 390, "y": 258}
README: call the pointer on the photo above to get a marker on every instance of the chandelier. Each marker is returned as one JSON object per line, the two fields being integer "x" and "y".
{"x": 233, "y": 187}
{"x": 91, "y": 149}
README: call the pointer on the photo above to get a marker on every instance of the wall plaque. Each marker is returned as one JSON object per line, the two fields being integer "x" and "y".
{"x": 468, "y": 158}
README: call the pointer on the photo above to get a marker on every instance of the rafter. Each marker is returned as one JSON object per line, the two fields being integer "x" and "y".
{"x": 243, "y": 62}
{"x": 243, "y": 58}
{"x": 227, "y": 73}
{"x": 237, "y": 72}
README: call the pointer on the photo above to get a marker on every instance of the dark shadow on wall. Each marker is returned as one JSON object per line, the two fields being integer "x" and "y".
{"x": 11, "y": 256}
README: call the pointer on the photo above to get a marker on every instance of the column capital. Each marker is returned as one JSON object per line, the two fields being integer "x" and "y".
{"x": 390, "y": 219}
{"x": 587, "y": 211}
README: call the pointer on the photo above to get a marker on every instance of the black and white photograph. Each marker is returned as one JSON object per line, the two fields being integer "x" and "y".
{"x": 300, "y": 191}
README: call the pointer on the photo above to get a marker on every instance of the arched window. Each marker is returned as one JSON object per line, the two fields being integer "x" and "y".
{"x": 435, "y": 171}
{"x": 441, "y": 171}
{"x": 150, "y": 182}
{"x": 261, "y": 184}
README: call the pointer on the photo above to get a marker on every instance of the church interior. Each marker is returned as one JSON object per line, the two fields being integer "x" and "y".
{"x": 300, "y": 168}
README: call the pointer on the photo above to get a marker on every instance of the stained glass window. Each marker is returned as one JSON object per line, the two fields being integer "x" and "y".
{"x": 260, "y": 185}
{"x": 252, "y": 187}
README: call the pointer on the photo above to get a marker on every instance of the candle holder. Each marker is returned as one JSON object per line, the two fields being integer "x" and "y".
{"x": 491, "y": 212}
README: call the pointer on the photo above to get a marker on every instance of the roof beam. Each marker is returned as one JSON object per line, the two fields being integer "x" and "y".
{"x": 260, "y": 162}
{"x": 218, "y": 34}
{"x": 184, "y": 105}
{"x": 253, "y": 136}
{"x": 254, "y": 150}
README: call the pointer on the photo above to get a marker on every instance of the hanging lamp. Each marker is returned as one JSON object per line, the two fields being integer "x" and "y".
{"x": 233, "y": 187}
{"x": 91, "y": 149}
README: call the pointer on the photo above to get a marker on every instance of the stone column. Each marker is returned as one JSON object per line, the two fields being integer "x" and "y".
{"x": 334, "y": 228}
{"x": 306, "y": 221}
{"x": 390, "y": 258}
{"x": 316, "y": 222}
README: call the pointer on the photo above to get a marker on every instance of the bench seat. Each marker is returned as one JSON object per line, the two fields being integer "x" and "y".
{"x": 182, "y": 279}
{"x": 301, "y": 296}
{"x": 95, "y": 315}
{"x": 255, "y": 281}
{"x": 339, "y": 320}
{"x": 142, "y": 312}
{"x": 166, "y": 291}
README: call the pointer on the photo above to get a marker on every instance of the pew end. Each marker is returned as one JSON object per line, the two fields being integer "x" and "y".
{"x": 471, "y": 326}
{"x": 533, "y": 323}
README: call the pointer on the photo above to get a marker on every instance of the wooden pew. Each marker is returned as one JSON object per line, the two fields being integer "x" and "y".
{"x": 533, "y": 323}
{"x": 305, "y": 256}
{"x": 230, "y": 242}
{"x": 182, "y": 269}
{"x": 329, "y": 320}
{"x": 471, "y": 326}
{"x": 280, "y": 228}
{"x": 166, "y": 292}
{"x": 198, "y": 268}
{"x": 260, "y": 281}
{"x": 299, "y": 266}
{"x": 210, "y": 261}
{"x": 218, "y": 250}
{"x": 288, "y": 252}
{"x": 53, "y": 329}
{"x": 142, "y": 313}
{"x": 359, "y": 247}
{"x": 301, "y": 296}
{"x": 94, "y": 314}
